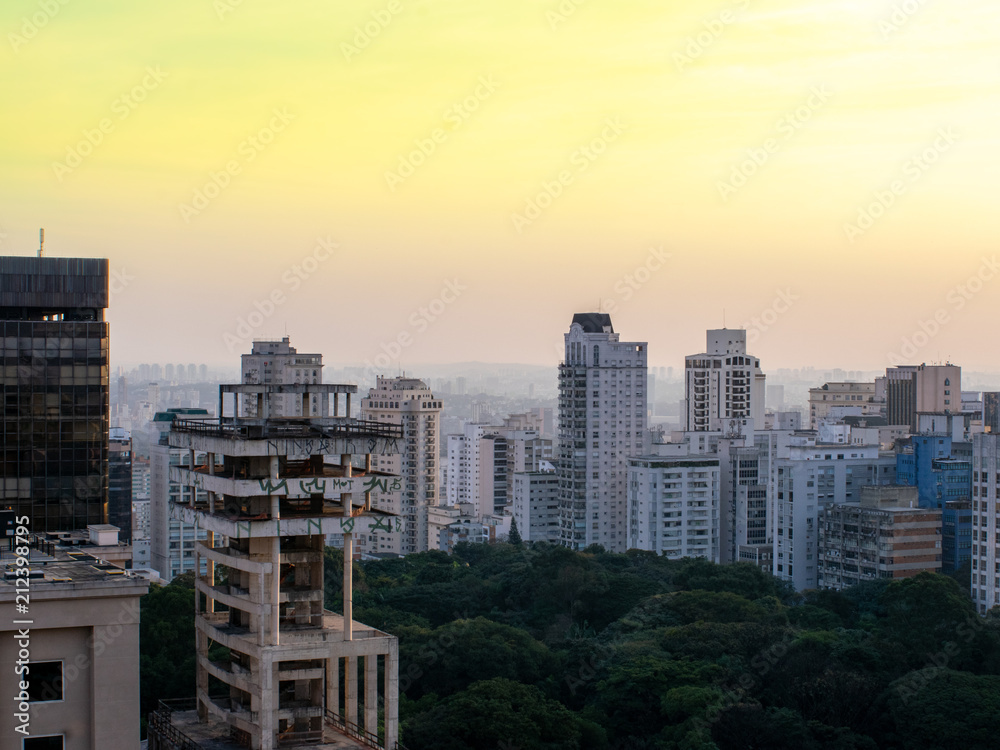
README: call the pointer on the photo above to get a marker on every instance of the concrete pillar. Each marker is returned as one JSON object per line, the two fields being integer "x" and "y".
{"x": 351, "y": 689}
{"x": 345, "y": 461}
{"x": 371, "y": 693}
{"x": 209, "y": 566}
{"x": 391, "y": 697}
{"x": 268, "y": 701}
{"x": 347, "y": 413}
{"x": 333, "y": 685}
{"x": 336, "y": 404}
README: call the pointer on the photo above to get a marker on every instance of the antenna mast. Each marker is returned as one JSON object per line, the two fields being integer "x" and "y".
{"x": 41, "y": 242}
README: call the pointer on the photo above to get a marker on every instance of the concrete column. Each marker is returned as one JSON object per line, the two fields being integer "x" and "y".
{"x": 209, "y": 566}
{"x": 371, "y": 693}
{"x": 336, "y": 405}
{"x": 347, "y": 413}
{"x": 268, "y": 702}
{"x": 391, "y": 697}
{"x": 333, "y": 684}
{"x": 351, "y": 689}
{"x": 345, "y": 461}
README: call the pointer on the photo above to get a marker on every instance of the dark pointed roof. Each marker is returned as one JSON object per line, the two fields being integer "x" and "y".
{"x": 593, "y": 322}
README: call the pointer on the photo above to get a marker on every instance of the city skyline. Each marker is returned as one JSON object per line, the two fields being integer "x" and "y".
{"x": 801, "y": 166}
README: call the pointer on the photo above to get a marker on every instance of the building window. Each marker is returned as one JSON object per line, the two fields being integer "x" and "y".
{"x": 45, "y": 680}
{"x": 52, "y": 742}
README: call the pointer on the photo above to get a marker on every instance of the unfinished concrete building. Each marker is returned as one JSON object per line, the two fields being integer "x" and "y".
{"x": 274, "y": 668}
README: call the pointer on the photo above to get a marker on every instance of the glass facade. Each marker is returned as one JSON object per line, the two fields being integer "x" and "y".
{"x": 54, "y": 370}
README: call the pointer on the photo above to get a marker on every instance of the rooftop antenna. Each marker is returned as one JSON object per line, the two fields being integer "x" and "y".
{"x": 41, "y": 242}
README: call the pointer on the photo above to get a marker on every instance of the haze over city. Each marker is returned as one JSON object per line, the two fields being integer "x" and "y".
{"x": 467, "y": 177}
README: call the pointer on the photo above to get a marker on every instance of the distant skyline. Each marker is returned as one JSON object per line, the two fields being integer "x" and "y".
{"x": 455, "y": 179}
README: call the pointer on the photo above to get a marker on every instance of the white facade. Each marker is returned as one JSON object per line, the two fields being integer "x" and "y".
{"x": 673, "y": 505}
{"x": 410, "y": 403}
{"x": 724, "y": 385}
{"x": 140, "y": 518}
{"x": 823, "y": 400}
{"x": 602, "y": 420}
{"x": 807, "y": 477}
{"x": 171, "y": 542}
{"x": 536, "y": 506}
{"x": 278, "y": 362}
{"x": 985, "y": 525}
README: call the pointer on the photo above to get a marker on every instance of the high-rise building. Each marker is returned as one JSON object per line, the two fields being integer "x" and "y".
{"x": 172, "y": 543}
{"x": 602, "y": 419}
{"x": 922, "y": 389}
{"x": 724, "y": 387}
{"x": 887, "y": 536}
{"x": 673, "y": 505}
{"x": 407, "y": 402}
{"x": 807, "y": 477}
{"x": 120, "y": 483}
{"x": 535, "y": 505}
{"x": 291, "y": 673}
{"x": 277, "y": 362}
{"x": 991, "y": 411}
{"x": 55, "y": 387}
{"x": 985, "y": 526}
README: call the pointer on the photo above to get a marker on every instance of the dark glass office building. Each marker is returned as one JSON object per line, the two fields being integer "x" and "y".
{"x": 120, "y": 483}
{"x": 54, "y": 355}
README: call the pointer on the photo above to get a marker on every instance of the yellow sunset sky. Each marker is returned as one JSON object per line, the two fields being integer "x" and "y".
{"x": 822, "y": 172}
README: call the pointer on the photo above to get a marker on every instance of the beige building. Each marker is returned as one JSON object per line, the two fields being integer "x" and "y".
{"x": 407, "y": 402}
{"x": 292, "y": 673}
{"x": 887, "y": 536}
{"x": 79, "y": 640}
{"x": 822, "y": 400}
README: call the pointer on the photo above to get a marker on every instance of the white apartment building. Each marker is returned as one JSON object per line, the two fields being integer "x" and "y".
{"x": 408, "y": 402}
{"x": 277, "y": 361}
{"x": 985, "y": 521}
{"x": 673, "y": 505}
{"x": 807, "y": 477}
{"x": 602, "y": 420}
{"x": 724, "y": 386}
{"x": 536, "y": 505}
{"x": 171, "y": 542}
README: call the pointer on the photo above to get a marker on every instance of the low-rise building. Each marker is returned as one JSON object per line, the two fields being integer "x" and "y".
{"x": 536, "y": 506}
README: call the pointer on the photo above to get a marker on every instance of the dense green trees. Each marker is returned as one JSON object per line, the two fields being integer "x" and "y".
{"x": 536, "y": 646}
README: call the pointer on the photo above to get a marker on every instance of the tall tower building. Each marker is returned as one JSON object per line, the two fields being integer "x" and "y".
{"x": 912, "y": 390}
{"x": 407, "y": 402}
{"x": 602, "y": 417}
{"x": 724, "y": 384}
{"x": 274, "y": 668}
{"x": 55, "y": 388}
{"x": 120, "y": 482}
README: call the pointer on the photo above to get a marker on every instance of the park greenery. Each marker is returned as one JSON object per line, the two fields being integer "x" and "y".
{"x": 537, "y": 647}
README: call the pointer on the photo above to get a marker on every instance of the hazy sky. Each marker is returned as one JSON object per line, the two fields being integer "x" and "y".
{"x": 462, "y": 176}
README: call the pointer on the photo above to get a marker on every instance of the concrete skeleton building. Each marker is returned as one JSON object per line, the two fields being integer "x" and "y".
{"x": 887, "y": 536}
{"x": 275, "y": 487}
{"x": 54, "y": 356}
{"x": 723, "y": 386}
{"x": 410, "y": 403}
{"x": 602, "y": 420}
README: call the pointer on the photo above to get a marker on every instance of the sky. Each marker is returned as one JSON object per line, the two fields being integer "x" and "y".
{"x": 402, "y": 182}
